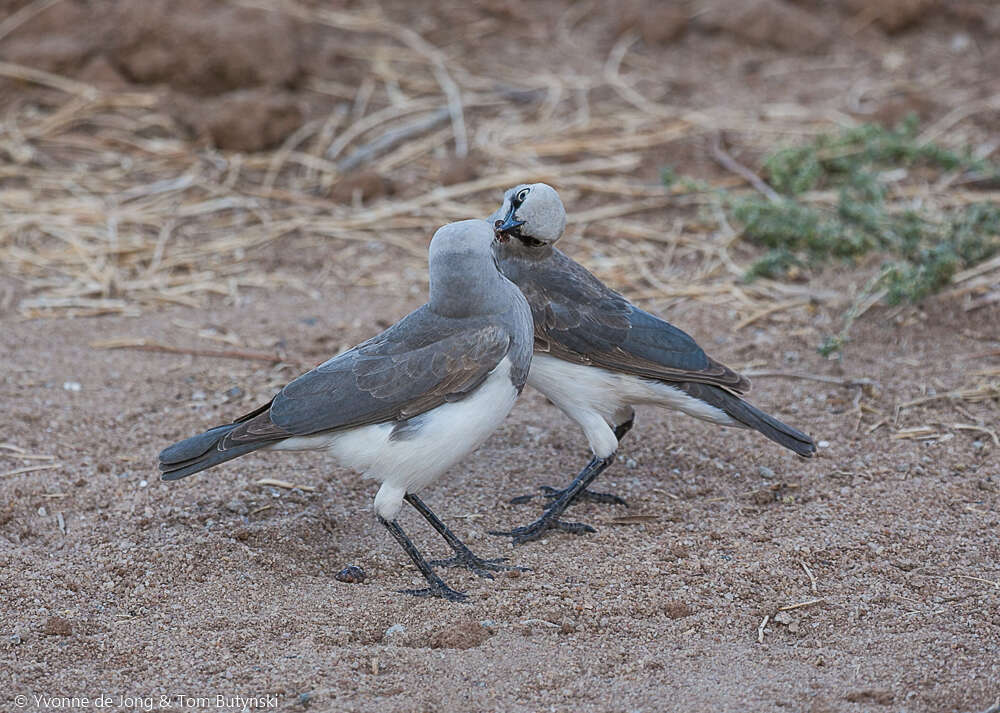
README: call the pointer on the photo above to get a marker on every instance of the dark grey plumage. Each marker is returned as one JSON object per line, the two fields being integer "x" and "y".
{"x": 597, "y": 355}
{"x": 419, "y": 363}
{"x": 406, "y": 405}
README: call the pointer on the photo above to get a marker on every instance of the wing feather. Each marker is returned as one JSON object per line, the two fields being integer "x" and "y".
{"x": 579, "y": 319}
{"x": 416, "y": 365}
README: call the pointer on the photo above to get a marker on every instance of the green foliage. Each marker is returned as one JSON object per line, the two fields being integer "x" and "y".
{"x": 799, "y": 169}
{"x": 923, "y": 249}
{"x": 668, "y": 176}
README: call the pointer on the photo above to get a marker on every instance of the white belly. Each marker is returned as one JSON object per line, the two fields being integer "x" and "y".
{"x": 596, "y": 397}
{"x": 441, "y": 438}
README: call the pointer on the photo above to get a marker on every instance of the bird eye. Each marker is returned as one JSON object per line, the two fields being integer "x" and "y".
{"x": 522, "y": 194}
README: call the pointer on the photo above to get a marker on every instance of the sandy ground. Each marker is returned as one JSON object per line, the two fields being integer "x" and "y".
{"x": 219, "y": 585}
{"x": 740, "y": 577}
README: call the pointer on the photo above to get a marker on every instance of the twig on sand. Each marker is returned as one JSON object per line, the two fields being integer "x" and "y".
{"x": 148, "y": 346}
{"x": 808, "y": 603}
{"x": 47, "y": 79}
{"x": 769, "y": 310}
{"x": 285, "y": 484}
{"x": 846, "y": 381}
{"x": 812, "y": 577}
{"x": 973, "y": 427}
{"x": 16, "y": 19}
{"x": 731, "y": 164}
{"x": 392, "y": 138}
{"x": 29, "y": 469}
{"x": 760, "y": 629}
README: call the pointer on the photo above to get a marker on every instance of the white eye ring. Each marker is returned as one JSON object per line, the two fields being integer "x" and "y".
{"x": 522, "y": 194}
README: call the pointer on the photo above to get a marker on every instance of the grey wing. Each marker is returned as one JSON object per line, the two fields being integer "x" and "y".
{"x": 579, "y": 319}
{"x": 400, "y": 374}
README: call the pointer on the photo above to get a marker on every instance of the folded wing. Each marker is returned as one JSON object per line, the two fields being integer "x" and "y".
{"x": 579, "y": 319}
{"x": 384, "y": 379}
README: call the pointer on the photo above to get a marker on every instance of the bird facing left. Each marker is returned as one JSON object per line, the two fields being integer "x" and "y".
{"x": 404, "y": 406}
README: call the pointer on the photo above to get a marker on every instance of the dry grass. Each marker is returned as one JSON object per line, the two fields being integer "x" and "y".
{"x": 106, "y": 210}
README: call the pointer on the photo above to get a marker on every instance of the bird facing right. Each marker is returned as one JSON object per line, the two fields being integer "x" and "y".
{"x": 597, "y": 355}
{"x": 406, "y": 405}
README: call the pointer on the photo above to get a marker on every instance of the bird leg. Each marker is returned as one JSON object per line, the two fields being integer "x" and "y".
{"x": 550, "y": 518}
{"x": 585, "y": 495}
{"x": 437, "y": 587}
{"x": 463, "y": 557}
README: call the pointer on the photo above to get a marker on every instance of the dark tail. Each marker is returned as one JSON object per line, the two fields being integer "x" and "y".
{"x": 202, "y": 451}
{"x": 752, "y": 417}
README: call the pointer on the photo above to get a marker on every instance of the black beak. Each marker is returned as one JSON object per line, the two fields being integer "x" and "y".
{"x": 509, "y": 223}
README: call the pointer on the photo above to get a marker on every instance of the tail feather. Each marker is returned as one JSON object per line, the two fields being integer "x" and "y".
{"x": 752, "y": 417}
{"x": 201, "y": 452}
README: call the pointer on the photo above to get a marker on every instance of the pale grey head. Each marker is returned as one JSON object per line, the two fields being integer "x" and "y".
{"x": 532, "y": 214}
{"x": 464, "y": 276}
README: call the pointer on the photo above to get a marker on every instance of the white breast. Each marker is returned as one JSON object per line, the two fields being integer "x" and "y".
{"x": 444, "y": 436}
{"x": 596, "y": 397}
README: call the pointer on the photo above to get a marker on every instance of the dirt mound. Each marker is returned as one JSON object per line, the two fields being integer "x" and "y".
{"x": 238, "y": 77}
{"x": 226, "y": 72}
{"x": 204, "y": 48}
{"x": 769, "y": 22}
{"x": 243, "y": 120}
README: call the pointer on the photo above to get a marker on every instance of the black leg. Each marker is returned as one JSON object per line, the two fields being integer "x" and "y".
{"x": 622, "y": 428}
{"x": 585, "y": 495}
{"x": 550, "y": 518}
{"x": 437, "y": 586}
{"x": 463, "y": 557}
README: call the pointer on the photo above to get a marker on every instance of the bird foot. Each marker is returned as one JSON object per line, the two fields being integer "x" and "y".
{"x": 588, "y": 495}
{"x": 477, "y": 565}
{"x": 585, "y": 495}
{"x": 437, "y": 589}
{"x": 520, "y": 535}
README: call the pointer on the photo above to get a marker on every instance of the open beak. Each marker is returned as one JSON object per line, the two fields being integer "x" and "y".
{"x": 508, "y": 224}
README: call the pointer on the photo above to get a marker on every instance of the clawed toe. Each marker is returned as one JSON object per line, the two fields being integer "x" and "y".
{"x": 478, "y": 566}
{"x": 522, "y": 499}
{"x": 440, "y": 590}
{"x": 520, "y": 535}
{"x": 588, "y": 495}
{"x": 553, "y": 493}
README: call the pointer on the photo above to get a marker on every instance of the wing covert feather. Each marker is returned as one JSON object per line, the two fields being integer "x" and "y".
{"x": 579, "y": 319}
{"x": 416, "y": 365}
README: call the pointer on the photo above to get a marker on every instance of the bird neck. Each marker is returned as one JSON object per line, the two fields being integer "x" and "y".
{"x": 517, "y": 250}
{"x": 461, "y": 286}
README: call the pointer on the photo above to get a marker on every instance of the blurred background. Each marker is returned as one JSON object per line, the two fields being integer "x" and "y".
{"x": 747, "y": 152}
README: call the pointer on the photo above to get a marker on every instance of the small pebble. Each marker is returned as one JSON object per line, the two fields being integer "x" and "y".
{"x": 394, "y": 630}
{"x": 42, "y": 511}
{"x": 237, "y": 507}
{"x": 352, "y": 574}
{"x": 823, "y": 444}
{"x": 72, "y": 385}
{"x": 143, "y": 483}
{"x": 765, "y": 472}
{"x": 235, "y": 393}
{"x": 631, "y": 463}
{"x": 198, "y": 396}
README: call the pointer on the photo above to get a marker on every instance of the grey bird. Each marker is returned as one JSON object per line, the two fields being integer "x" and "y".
{"x": 408, "y": 404}
{"x": 597, "y": 355}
